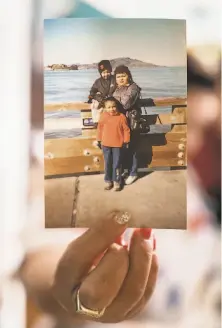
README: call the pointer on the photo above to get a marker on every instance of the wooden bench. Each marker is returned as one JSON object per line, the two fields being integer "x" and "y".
{"x": 74, "y": 186}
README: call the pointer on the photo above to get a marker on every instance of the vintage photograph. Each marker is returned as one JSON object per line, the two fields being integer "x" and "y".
{"x": 115, "y": 121}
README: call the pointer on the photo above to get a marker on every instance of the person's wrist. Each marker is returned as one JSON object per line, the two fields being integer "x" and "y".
{"x": 99, "y": 144}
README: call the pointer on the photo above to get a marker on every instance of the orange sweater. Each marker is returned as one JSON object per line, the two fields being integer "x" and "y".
{"x": 113, "y": 131}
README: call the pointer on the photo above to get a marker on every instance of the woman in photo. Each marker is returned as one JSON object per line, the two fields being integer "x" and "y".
{"x": 128, "y": 94}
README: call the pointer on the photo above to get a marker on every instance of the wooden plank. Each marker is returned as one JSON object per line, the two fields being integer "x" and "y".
{"x": 144, "y": 102}
{"x": 80, "y": 165}
{"x": 179, "y": 116}
{"x": 79, "y": 155}
{"x": 90, "y": 132}
{"x": 71, "y": 147}
{"x": 66, "y": 106}
{"x": 178, "y": 110}
{"x": 53, "y": 124}
{"x": 86, "y": 114}
{"x": 179, "y": 128}
{"x": 168, "y": 101}
{"x": 87, "y": 146}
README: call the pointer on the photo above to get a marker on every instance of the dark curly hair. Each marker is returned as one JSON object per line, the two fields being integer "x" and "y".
{"x": 124, "y": 69}
{"x": 119, "y": 107}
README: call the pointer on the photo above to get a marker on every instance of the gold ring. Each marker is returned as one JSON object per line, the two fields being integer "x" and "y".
{"x": 88, "y": 312}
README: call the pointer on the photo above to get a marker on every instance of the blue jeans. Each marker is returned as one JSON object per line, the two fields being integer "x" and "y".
{"x": 112, "y": 158}
{"x": 130, "y": 156}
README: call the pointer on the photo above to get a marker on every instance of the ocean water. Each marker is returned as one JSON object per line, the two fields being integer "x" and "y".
{"x": 73, "y": 86}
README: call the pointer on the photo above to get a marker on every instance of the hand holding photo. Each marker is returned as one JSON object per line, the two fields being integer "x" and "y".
{"x": 115, "y": 121}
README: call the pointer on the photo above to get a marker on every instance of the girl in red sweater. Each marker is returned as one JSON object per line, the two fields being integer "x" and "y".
{"x": 113, "y": 134}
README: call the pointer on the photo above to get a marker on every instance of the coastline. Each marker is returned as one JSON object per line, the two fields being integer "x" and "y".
{"x": 129, "y": 62}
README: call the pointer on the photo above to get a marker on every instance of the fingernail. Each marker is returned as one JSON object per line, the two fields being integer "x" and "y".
{"x": 120, "y": 241}
{"x": 146, "y": 232}
{"x": 122, "y": 218}
{"x": 149, "y": 236}
{"x": 152, "y": 242}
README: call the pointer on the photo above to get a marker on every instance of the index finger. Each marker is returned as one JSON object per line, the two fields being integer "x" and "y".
{"x": 78, "y": 258}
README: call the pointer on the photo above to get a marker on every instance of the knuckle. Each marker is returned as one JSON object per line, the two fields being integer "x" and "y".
{"x": 137, "y": 293}
{"x": 156, "y": 265}
{"x": 112, "y": 318}
{"x": 115, "y": 248}
{"x": 145, "y": 256}
{"x": 121, "y": 258}
{"x": 89, "y": 296}
{"x": 118, "y": 252}
{"x": 149, "y": 293}
{"x": 118, "y": 319}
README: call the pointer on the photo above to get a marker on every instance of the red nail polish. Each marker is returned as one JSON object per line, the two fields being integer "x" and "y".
{"x": 119, "y": 240}
{"x": 146, "y": 232}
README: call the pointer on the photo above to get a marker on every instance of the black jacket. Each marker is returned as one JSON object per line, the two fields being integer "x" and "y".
{"x": 105, "y": 88}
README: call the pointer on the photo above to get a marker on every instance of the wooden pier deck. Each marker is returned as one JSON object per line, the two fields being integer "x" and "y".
{"x": 74, "y": 195}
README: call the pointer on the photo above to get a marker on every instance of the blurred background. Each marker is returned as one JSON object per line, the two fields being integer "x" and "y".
{"x": 188, "y": 289}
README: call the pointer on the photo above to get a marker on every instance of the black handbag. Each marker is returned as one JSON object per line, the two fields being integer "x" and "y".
{"x": 137, "y": 122}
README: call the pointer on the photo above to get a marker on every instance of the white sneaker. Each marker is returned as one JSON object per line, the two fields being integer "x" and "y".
{"x": 130, "y": 180}
{"x": 124, "y": 175}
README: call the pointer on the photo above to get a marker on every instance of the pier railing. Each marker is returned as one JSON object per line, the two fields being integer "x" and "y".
{"x": 80, "y": 155}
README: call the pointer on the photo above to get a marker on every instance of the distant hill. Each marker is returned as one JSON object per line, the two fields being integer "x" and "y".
{"x": 131, "y": 63}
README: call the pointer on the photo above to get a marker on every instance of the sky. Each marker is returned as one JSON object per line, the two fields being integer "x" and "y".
{"x": 89, "y": 40}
